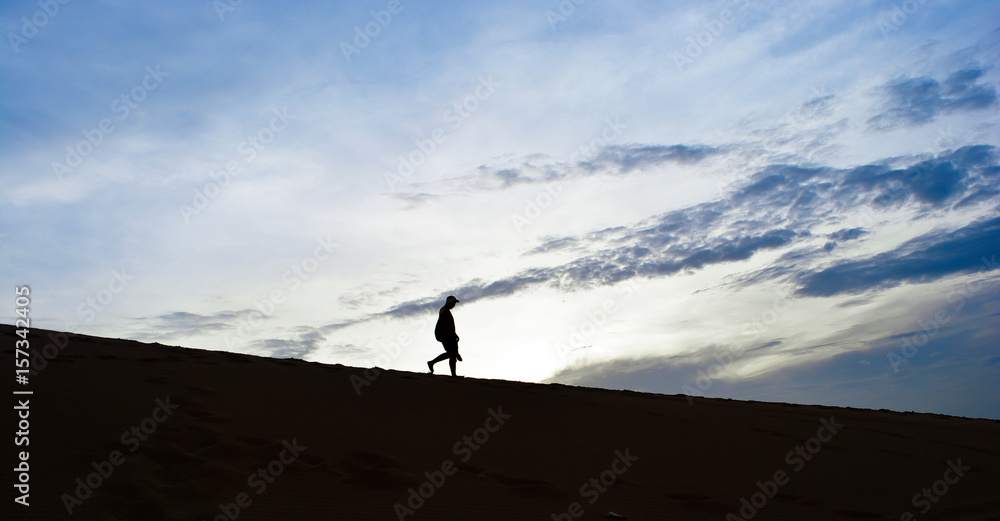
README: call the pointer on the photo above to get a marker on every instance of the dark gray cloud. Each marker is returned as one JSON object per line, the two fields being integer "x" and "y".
{"x": 182, "y": 323}
{"x": 916, "y": 101}
{"x": 807, "y": 196}
{"x": 923, "y": 259}
{"x": 980, "y": 195}
{"x": 953, "y": 179}
{"x": 472, "y": 291}
{"x": 626, "y": 158}
{"x": 778, "y": 184}
{"x": 607, "y": 159}
{"x": 934, "y": 181}
{"x": 842, "y": 236}
{"x": 773, "y": 209}
{"x": 303, "y": 342}
{"x": 722, "y": 249}
{"x": 847, "y": 234}
{"x": 603, "y": 268}
{"x": 307, "y": 342}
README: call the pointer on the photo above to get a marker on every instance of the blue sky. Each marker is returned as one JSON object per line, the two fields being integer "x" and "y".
{"x": 747, "y": 199}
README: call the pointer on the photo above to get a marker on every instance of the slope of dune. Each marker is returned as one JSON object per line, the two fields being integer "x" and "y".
{"x": 126, "y": 430}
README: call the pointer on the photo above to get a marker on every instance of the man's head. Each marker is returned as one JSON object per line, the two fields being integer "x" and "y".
{"x": 451, "y": 301}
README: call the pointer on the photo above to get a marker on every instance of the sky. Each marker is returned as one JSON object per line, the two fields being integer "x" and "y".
{"x": 778, "y": 201}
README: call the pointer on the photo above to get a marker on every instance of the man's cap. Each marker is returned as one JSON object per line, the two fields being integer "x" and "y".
{"x": 451, "y": 298}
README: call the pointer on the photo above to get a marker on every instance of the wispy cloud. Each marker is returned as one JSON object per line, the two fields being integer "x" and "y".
{"x": 779, "y": 207}
{"x": 923, "y": 259}
{"x": 536, "y": 169}
{"x": 183, "y": 323}
{"x": 920, "y": 100}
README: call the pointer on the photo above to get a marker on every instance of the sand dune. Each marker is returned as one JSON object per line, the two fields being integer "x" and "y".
{"x": 125, "y": 430}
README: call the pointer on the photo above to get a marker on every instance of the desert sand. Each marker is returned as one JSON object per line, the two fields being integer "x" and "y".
{"x": 123, "y": 430}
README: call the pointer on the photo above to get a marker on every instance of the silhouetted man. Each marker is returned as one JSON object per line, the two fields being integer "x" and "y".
{"x": 444, "y": 332}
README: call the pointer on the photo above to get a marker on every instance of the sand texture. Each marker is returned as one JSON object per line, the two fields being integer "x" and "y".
{"x": 189, "y": 434}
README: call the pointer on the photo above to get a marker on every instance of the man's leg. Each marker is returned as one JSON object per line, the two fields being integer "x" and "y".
{"x": 452, "y": 349}
{"x": 440, "y": 357}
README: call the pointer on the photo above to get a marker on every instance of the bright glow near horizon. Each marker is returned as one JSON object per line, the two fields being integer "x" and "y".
{"x": 784, "y": 198}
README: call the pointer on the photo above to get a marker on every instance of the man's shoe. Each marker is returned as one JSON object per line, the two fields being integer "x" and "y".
{"x": 431, "y": 367}
{"x": 459, "y": 357}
